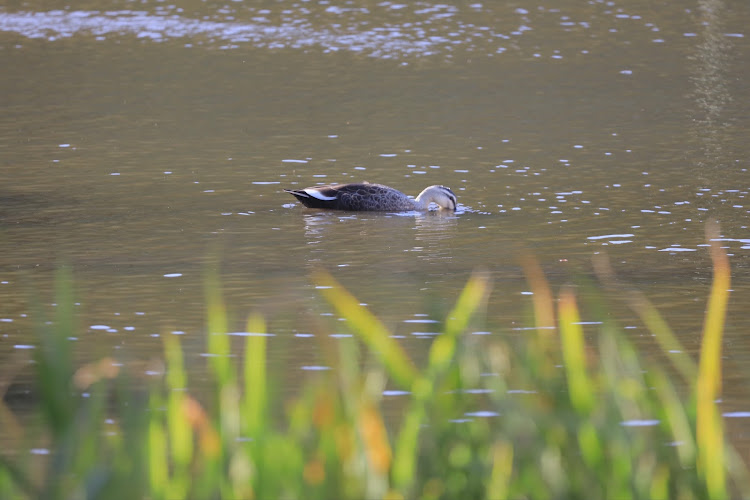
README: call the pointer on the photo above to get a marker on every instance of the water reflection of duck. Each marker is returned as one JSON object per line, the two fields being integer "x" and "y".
{"x": 372, "y": 197}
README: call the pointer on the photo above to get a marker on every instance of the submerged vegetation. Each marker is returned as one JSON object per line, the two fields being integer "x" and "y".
{"x": 555, "y": 414}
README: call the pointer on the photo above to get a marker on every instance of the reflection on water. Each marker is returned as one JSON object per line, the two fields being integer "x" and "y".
{"x": 434, "y": 233}
{"x": 709, "y": 75}
{"x": 316, "y": 224}
{"x": 343, "y": 233}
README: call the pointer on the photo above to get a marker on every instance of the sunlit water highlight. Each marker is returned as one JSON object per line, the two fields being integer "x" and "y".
{"x": 402, "y": 30}
{"x": 404, "y": 39}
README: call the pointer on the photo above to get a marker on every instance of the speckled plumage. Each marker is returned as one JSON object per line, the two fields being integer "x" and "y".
{"x": 372, "y": 197}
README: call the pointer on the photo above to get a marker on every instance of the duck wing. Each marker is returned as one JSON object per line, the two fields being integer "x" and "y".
{"x": 356, "y": 196}
{"x": 319, "y": 196}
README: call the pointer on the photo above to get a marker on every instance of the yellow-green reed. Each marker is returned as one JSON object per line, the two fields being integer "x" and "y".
{"x": 580, "y": 387}
{"x": 369, "y": 329}
{"x": 255, "y": 401}
{"x": 651, "y": 318}
{"x": 710, "y": 431}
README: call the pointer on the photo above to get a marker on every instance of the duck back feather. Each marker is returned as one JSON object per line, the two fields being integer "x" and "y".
{"x": 358, "y": 196}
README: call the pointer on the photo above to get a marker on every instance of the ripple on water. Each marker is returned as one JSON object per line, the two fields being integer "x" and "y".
{"x": 736, "y": 414}
{"x": 639, "y": 423}
{"x": 315, "y": 368}
{"x": 384, "y": 30}
{"x": 394, "y": 392}
{"x": 482, "y": 414}
{"x": 251, "y": 334}
{"x": 678, "y": 249}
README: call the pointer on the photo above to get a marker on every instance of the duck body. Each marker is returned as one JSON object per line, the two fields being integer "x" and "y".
{"x": 372, "y": 197}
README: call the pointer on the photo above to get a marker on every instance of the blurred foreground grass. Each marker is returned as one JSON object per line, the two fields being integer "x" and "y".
{"x": 552, "y": 415}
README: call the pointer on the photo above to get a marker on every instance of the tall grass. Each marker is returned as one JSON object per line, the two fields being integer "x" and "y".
{"x": 563, "y": 412}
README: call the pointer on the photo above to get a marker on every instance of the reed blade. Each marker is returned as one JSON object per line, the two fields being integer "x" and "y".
{"x": 255, "y": 398}
{"x": 710, "y": 431}
{"x": 472, "y": 298}
{"x": 574, "y": 354}
{"x": 544, "y": 309}
{"x": 370, "y": 329}
{"x": 217, "y": 342}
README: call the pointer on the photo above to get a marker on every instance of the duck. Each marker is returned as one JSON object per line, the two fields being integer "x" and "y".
{"x": 372, "y": 197}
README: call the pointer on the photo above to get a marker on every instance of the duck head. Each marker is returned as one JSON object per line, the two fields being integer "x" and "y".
{"x": 440, "y": 195}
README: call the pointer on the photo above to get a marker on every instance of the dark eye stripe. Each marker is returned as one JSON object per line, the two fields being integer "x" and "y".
{"x": 450, "y": 194}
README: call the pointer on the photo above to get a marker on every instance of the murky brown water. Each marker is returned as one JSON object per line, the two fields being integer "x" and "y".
{"x": 138, "y": 138}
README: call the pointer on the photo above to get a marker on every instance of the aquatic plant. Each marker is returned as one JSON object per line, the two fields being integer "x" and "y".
{"x": 561, "y": 412}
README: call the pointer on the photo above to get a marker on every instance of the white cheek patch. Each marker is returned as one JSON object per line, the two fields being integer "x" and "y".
{"x": 317, "y": 194}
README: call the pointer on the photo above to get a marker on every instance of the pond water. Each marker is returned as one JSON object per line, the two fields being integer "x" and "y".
{"x": 140, "y": 139}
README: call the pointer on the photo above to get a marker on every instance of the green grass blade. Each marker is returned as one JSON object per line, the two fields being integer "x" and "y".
{"x": 369, "y": 328}
{"x": 17, "y": 480}
{"x": 664, "y": 336}
{"x": 473, "y": 296}
{"x": 218, "y": 344}
{"x": 64, "y": 313}
{"x": 571, "y": 335}
{"x": 157, "y": 457}
{"x": 442, "y": 353}
{"x": 502, "y": 470}
{"x": 54, "y": 357}
{"x": 650, "y": 316}
{"x": 178, "y": 427}
{"x": 544, "y": 309}
{"x": 674, "y": 417}
{"x": 404, "y": 469}
{"x": 255, "y": 404}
